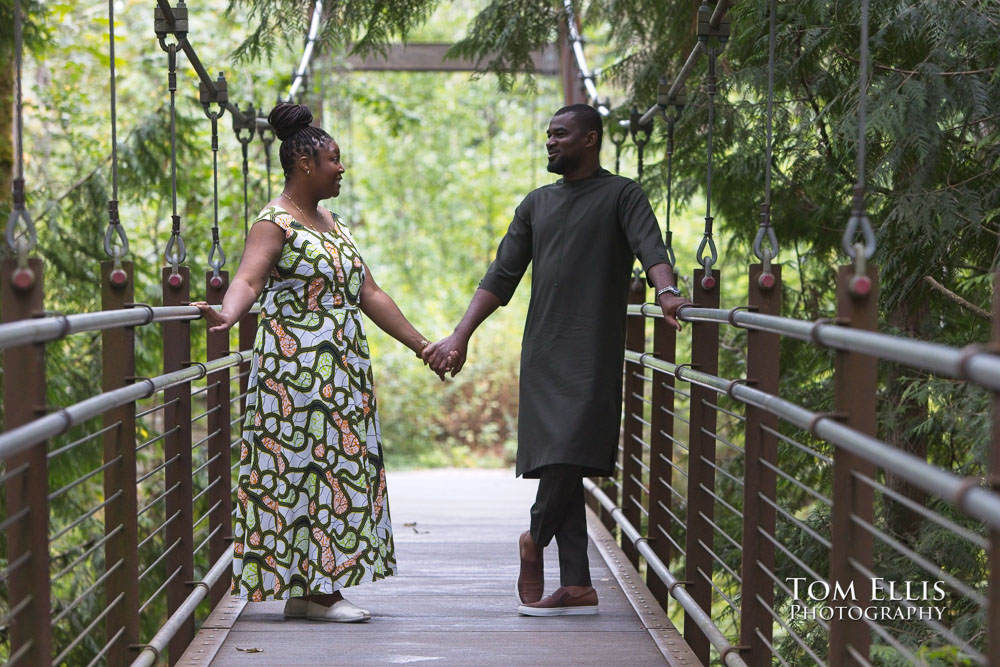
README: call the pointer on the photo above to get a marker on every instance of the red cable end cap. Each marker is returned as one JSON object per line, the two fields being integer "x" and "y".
{"x": 118, "y": 277}
{"x": 708, "y": 283}
{"x": 215, "y": 282}
{"x": 175, "y": 280}
{"x": 766, "y": 280}
{"x": 860, "y": 286}
{"x": 23, "y": 279}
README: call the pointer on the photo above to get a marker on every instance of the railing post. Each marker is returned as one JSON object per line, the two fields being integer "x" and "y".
{"x": 27, "y": 537}
{"x": 855, "y": 381}
{"x": 763, "y": 367}
{"x": 220, "y": 522}
{"x": 661, "y": 450}
{"x": 632, "y": 431}
{"x": 993, "y": 611}
{"x": 701, "y": 474}
{"x": 120, "y": 516}
{"x": 247, "y": 335}
{"x": 177, "y": 420}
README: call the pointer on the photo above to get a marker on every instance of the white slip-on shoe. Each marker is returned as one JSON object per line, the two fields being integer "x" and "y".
{"x": 296, "y": 608}
{"x": 341, "y": 611}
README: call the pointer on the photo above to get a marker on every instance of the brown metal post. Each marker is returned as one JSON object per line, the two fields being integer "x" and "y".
{"x": 661, "y": 450}
{"x": 855, "y": 383}
{"x": 572, "y": 81}
{"x": 218, "y": 422}
{"x": 993, "y": 611}
{"x": 247, "y": 335}
{"x": 763, "y": 368}
{"x": 632, "y": 431}
{"x": 701, "y": 476}
{"x": 117, "y": 370}
{"x": 177, "y": 417}
{"x": 24, "y": 400}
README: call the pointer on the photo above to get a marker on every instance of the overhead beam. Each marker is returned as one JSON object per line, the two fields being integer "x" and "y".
{"x": 431, "y": 58}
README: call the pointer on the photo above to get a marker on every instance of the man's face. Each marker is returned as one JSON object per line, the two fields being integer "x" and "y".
{"x": 566, "y": 144}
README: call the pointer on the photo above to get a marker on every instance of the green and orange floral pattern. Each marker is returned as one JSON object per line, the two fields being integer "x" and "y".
{"x": 312, "y": 512}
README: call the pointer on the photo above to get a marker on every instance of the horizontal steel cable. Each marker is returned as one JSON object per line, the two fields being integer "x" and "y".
{"x": 975, "y": 501}
{"x": 980, "y": 367}
{"x": 56, "y": 423}
{"x": 697, "y": 615}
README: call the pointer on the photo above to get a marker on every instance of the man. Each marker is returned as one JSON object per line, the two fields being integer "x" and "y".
{"x": 583, "y": 233}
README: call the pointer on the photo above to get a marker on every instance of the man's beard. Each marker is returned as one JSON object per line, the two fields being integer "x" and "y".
{"x": 561, "y": 164}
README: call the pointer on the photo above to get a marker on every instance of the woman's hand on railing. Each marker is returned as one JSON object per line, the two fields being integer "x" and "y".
{"x": 217, "y": 321}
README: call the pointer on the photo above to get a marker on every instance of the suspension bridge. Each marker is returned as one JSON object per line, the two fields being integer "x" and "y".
{"x": 698, "y": 541}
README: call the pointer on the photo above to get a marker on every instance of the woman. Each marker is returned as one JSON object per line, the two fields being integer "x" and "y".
{"x": 313, "y": 515}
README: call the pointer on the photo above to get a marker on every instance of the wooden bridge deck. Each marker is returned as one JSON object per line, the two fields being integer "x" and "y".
{"x": 453, "y": 600}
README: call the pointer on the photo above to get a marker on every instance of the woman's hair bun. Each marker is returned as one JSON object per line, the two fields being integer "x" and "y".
{"x": 287, "y": 119}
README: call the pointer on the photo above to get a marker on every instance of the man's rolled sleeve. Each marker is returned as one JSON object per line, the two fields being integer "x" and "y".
{"x": 641, "y": 228}
{"x": 512, "y": 259}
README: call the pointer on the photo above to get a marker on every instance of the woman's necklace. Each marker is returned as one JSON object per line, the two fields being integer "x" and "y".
{"x": 304, "y": 221}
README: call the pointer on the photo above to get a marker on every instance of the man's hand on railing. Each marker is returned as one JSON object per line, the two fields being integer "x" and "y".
{"x": 670, "y": 304}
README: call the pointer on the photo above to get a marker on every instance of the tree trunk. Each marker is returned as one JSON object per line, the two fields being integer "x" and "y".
{"x": 6, "y": 128}
{"x": 900, "y": 520}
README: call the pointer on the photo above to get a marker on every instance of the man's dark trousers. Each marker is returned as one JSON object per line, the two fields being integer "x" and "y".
{"x": 559, "y": 511}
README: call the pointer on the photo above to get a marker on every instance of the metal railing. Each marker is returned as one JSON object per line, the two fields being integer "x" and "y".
{"x": 125, "y": 495}
{"x": 737, "y": 499}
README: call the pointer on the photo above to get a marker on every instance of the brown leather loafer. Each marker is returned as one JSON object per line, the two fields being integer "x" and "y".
{"x": 531, "y": 580}
{"x": 562, "y": 603}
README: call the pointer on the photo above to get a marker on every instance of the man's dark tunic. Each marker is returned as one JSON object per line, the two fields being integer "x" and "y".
{"x": 583, "y": 237}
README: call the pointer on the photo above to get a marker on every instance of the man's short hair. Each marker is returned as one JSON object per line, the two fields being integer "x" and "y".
{"x": 588, "y": 117}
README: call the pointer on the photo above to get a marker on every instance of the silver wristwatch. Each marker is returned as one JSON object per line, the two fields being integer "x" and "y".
{"x": 670, "y": 289}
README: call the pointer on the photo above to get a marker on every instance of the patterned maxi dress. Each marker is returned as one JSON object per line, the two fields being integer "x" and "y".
{"x": 312, "y": 515}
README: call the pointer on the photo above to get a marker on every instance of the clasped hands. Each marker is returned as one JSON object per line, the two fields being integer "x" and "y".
{"x": 446, "y": 355}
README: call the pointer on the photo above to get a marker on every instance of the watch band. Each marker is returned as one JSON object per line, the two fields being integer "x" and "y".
{"x": 670, "y": 289}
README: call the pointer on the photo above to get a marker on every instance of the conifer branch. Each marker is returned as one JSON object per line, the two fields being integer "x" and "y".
{"x": 971, "y": 307}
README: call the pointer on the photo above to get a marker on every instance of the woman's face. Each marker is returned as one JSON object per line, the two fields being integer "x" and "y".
{"x": 328, "y": 171}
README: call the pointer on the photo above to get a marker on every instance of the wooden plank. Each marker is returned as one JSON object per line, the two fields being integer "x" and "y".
{"x": 431, "y": 58}
{"x": 453, "y": 601}
{"x": 668, "y": 639}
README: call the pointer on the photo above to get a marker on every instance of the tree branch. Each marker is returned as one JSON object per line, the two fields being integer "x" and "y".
{"x": 938, "y": 287}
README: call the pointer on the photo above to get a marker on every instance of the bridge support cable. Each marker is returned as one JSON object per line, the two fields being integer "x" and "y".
{"x": 699, "y": 617}
{"x": 765, "y": 231}
{"x": 115, "y": 231}
{"x": 713, "y": 21}
{"x": 993, "y": 610}
{"x": 586, "y": 75}
{"x": 298, "y": 79}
